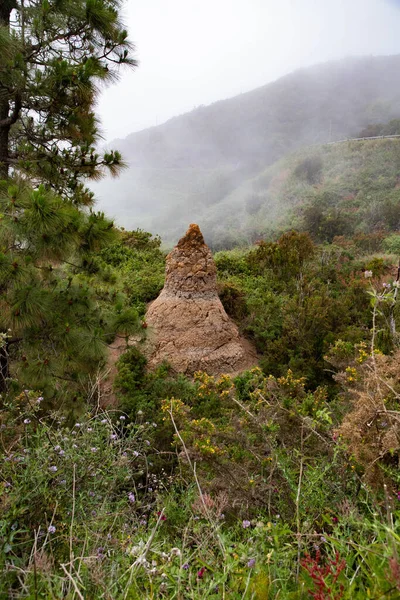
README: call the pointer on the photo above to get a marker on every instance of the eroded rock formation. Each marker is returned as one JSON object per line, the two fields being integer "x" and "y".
{"x": 187, "y": 324}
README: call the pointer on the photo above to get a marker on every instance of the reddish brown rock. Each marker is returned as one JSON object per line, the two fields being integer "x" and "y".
{"x": 188, "y": 326}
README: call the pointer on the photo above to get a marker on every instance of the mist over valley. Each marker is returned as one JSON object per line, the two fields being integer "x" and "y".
{"x": 205, "y": 165}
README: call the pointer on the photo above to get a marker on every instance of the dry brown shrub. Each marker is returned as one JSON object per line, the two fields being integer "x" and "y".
{"x": 43, "y": 562}
{"x": 372, "y": 427}
{"x": 206, "y": 505}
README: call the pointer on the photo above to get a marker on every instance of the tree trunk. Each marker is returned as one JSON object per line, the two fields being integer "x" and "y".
{"x": 4, "y": 139}
{"x": 6, "y": 7}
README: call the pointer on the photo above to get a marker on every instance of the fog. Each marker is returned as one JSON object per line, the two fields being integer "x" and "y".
{"x": 208, "y": 62}
{"x": 193, "y": 52}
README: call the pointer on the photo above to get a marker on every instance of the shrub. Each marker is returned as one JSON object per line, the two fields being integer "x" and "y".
{"x": 392, "y": 244}
{"x": 310, "y": 169}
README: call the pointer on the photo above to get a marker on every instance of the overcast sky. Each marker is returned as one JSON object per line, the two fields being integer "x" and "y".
{"x": 194, "y": 52}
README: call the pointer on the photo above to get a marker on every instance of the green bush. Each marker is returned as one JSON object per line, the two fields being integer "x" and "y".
{"x": 392, "y": 244}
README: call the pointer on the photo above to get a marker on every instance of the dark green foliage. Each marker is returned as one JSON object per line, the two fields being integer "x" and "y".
{"x": 285, "y": 257}
{"x": 310, "y": 169}
{"x": 392, "y": 244}
{"x": 53, "y": 60}
{"x": 378, "y": 266}
{"x": 295, "y": 300}
{"x": 56, "y": 318}
{"x": 139, "y": 390}
{"x": 140, "y": 265}
{"x": 324, "y": 220}
{"x": 233, "y": 299}
{"x": 232, "y": 263}
{"x": 57, "y": 309}
{"x": 131, "y": 372}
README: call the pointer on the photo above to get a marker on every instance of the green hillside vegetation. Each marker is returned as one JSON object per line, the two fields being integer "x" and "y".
{"x": 252, "y": 486}
{"x": 347, "y": 189}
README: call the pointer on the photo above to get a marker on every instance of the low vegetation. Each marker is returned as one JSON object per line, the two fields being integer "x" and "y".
{"x": 280, "y": 482}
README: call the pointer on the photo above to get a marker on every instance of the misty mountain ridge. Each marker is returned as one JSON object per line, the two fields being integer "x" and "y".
{"x": 182, "y": 170}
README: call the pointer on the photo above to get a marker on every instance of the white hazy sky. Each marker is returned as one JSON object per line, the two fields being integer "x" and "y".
{"x": 194, "y": 52}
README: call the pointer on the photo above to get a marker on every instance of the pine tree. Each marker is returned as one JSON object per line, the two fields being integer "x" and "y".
{"x": 54, "y": 55}
{"x": 57, "y": 310}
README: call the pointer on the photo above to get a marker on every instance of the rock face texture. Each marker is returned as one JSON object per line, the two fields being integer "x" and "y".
{"x": 188, "y": 326}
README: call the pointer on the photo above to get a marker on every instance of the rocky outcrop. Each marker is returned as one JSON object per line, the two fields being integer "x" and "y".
{"x": 187, "y": 324}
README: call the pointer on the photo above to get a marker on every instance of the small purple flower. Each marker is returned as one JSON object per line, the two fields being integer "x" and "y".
{"x": 131, "y": 498}
{"x": 7, "y": 484}
{"x": 63, "y": 482}
{"x": 135, "y": 453}
{"x": 246, "y": 524}
{"x": 61, "y": 453}
{"x": 57, "y": 448}
{"x": 398, "y": 495}
{"x": 77, "y": 425}
{"x": 53, "y": 469}
{"x": 147, "y": 442}
{"x": 94, "y": 449}
{"x": 113, "y": 436}
{"x": 94, "y": 513}
{"x": 185, "y": 566}
{"x": 74, "y": 446}
{"x": 103, "y": 421}
{"x": 251, "y": 563}
{"x": 39, "y": 400}
{"x": 323, "y": 538}
{"x": 90, "y": 429}
{"x": 27, "y": 421}
{"x": 51, "y": 529}
{"x": 26, "y": 391}
{"x": 122, "y": 418}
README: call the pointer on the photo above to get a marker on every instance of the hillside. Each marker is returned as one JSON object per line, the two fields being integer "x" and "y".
{"x": 182, "y": 170}
{"x": 342, "y": 189}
